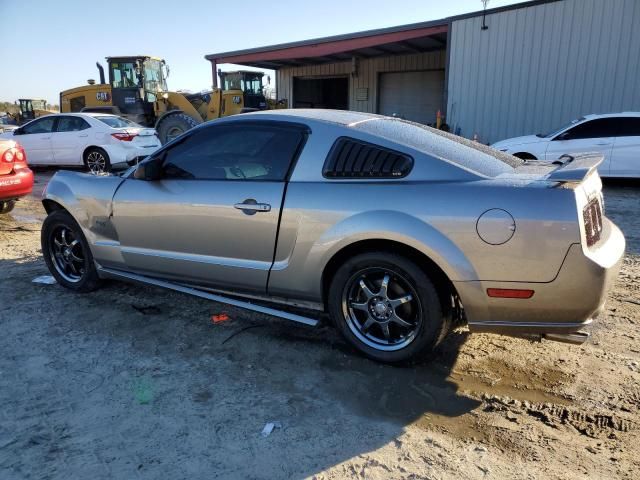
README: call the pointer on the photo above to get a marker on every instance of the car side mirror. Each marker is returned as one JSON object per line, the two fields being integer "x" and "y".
{"x": 149, "y": 171}
{"x": 17, "y": 131}
{"x": 563, "y": 136}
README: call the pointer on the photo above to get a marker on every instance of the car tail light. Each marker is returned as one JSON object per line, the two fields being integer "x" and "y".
{"x": 14, "y": 155}
{"x": 509, "y": 293}
{"x": 125, "y": 137}
{"x": 592, "y": 216}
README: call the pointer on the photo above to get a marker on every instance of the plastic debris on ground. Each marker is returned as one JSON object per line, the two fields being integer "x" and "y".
{"x": 44, "y": 280}
{"x": 219, "y": 318}
{"x": 269, "y": 427}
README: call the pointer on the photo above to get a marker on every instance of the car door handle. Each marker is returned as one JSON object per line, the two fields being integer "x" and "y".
{"x": 83, "y": 135}
{"x": 603, "y": 143}
{"x": 251, "y": 207}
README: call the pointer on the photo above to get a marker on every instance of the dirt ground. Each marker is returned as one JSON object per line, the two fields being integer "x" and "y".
{"x": 97, "y": 386}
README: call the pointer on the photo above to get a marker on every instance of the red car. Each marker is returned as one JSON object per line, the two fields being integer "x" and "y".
{"x": 16, "y": 179}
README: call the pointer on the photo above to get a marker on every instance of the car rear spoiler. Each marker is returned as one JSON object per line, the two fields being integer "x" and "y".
{"x": 575, "y": 168}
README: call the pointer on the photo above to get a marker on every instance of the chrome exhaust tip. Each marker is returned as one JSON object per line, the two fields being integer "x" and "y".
{"x": 577, "y": 338}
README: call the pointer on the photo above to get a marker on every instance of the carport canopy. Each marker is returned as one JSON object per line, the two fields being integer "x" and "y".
{"x": 405, "y": 39}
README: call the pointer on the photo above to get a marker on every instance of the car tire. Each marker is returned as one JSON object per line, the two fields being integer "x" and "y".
{"x": 6, "y": 206}
{"x": 97, "y": 161}
{"x": 67, "y": 254}
{"x": 174, "y": 125}
{"x": 409, "y": 306}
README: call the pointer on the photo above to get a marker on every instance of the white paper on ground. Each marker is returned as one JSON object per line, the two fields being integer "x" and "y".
{"x": 268, "y": 428}
{"x": 44, "y": 279}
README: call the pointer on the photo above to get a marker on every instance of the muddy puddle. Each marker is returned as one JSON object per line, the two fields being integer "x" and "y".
{"x": 436, "y": 395}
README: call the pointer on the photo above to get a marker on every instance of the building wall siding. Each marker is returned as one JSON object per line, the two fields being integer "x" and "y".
{"x": 538, "y": 67}
{"x": 368, "y": 70}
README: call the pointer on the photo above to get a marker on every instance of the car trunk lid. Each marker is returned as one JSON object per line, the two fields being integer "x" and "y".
{"x": 580, "y": 173}
{"x": 143, "y": 137}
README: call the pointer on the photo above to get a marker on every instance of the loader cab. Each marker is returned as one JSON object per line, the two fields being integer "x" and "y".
{"x": 136, "y": 83}
{"x": 27, "y": 110}
{"x": 247, "y": 82}
{"x": 30, "y": 108}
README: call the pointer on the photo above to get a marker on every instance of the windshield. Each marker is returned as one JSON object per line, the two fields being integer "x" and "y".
{"x": 117, "y": 122}
{"x": 26, "y": 106}
{"x": 247, "y": 82}
{"x": 39, "y": 104}
{"x": 252, "y": 84}
{"x": 154, "y": 80}
{"x": 123, "y": 75}
{"x": 556, "y": 131}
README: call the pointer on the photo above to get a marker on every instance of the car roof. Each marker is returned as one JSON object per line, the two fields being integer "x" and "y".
{"x": 609, "y": 115}
{"x": 341, "y": 117}
{"x": 455, "y": 149}
{"x": 77, "y": 114}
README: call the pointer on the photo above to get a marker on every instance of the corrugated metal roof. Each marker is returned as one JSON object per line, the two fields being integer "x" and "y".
{"x": 402, "y": 39}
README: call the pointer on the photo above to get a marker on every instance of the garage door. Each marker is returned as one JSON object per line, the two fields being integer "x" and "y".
{"x": 413, "y": 96}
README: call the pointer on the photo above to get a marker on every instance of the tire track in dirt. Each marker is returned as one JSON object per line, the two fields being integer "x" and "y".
{"x": 587, "y": 423}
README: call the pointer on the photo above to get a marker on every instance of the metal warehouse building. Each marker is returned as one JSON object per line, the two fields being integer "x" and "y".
{"x": 505, "y": 72}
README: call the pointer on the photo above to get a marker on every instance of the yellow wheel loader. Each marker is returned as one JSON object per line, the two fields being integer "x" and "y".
{"x": 137, "y": 90}
{"x": 29, "y": 108}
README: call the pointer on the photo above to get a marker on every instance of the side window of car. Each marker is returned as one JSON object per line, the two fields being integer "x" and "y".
{"x": 42, "y": 125}
{"x": 351, "y": 158}
{"x": 71, "y": 124}
{"x": 629, "y": 127}
{"x": 235, "y": 152}
{"x": 599, "y": 128}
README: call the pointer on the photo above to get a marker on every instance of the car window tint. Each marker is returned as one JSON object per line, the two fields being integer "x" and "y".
{"x": 629, "y": 127}
{"x": 43, "y": 125}
{"x": 71, "y": 124}
{"x": 599, "y": 128}
{"x": 234, "y": 153}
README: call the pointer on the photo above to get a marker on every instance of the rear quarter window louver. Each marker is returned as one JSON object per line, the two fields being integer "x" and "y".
{"x": 351, "y": 158}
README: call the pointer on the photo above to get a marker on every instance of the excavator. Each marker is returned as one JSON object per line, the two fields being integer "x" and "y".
{"x": 137, "y": 89}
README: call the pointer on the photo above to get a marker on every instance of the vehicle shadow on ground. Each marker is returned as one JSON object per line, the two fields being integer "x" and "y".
{"x": 210, "y": 388}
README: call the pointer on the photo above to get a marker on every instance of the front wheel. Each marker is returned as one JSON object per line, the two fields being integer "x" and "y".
{"x": 386, "y": 307}
{"x": 67, "y": 254}
{"x": 174, "y": 125}
{"x": 6, "y": 206}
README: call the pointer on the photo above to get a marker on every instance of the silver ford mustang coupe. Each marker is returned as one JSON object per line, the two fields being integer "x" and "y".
{"x": 399, "y": 231}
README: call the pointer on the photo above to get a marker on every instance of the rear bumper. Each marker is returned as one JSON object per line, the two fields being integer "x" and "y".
{"x": 123, "y": 156}
{"x": 16, "y": 184}
{"x": 563, "y": 306}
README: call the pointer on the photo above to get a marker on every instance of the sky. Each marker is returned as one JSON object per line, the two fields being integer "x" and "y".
{"x": 57, "y": 46}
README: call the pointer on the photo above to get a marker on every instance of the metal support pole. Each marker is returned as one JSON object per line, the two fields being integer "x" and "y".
{"x": 214, "y": 74}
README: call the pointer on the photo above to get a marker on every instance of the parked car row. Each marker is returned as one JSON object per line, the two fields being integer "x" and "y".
{"x": 616, "y": 136}
{"x": 7, "y": 124}
{"x": 97, "y": 141}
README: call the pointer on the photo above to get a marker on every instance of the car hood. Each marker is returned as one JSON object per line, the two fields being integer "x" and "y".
{"x": 509, "y": 142}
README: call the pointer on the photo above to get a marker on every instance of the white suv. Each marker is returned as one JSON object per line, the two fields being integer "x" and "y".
{"x": 614, "y": 135}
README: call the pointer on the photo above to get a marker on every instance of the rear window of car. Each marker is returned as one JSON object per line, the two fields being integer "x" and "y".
{"x": 117, "y": 122}
{"x": 467, "y": 154}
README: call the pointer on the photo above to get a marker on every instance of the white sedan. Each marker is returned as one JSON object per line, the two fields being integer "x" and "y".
{"x": 98, "y": 141}
{"x": 615, "y": 135}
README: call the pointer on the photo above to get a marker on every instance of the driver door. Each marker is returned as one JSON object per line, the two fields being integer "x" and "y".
{"x": 212, "y": 217}
{"x": 35, "y": 137}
